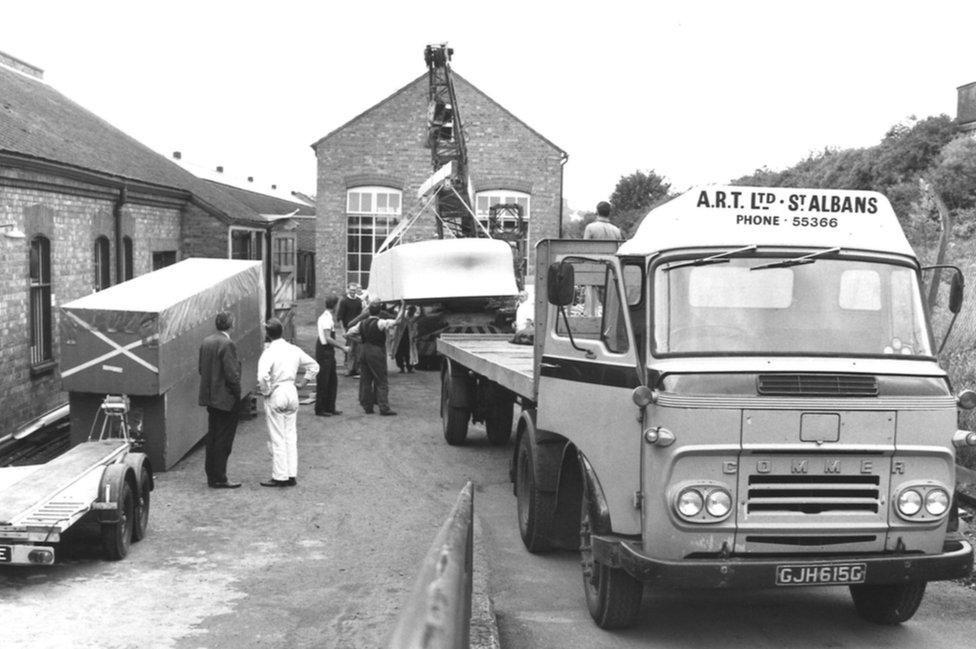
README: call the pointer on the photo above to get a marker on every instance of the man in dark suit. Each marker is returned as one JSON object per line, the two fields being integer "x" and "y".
{"x": 220, "y": 392}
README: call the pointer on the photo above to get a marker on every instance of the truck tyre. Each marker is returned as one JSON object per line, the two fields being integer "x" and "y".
{"x": 888, "y": 603}
{"x": 498, "y": 422}
{"x": 117, "y": 536}
{"x": 140, "y": 524}
{"x": 535, "y": 508}
{"x": 454, "y": 420}
{"x": 613, "y": 597}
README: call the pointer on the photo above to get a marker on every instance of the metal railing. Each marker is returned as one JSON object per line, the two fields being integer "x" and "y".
{"x": 437, "y": 614}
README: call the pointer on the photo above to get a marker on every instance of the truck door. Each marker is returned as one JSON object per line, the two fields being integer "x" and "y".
{"x": 588, "y": 371}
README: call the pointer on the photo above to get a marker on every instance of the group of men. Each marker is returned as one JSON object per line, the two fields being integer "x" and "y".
{"x": 279, "y": 367}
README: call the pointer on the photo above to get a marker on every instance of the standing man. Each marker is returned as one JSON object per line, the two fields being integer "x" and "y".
{"x": 373, "y": 384}
{"x": 220, "y": 392}
{"x": 277, "y": 373}
{"x": 325, "y": 346}
{"x": 350, "y": 306}
{"x": 602, "y": 228}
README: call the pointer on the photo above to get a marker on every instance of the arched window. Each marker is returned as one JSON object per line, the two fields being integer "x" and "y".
{"x": 127, "y": 269}
{"x": 372, "y": 213}
{"x": 40, "y": 301}
{"x": 103, "y": 275}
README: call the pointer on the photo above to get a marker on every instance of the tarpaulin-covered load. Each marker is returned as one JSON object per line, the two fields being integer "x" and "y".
{"x": 142, "y": 338}
{"x": 443, "y": 269}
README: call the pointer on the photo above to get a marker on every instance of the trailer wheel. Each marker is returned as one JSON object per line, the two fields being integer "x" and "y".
{"x": 140, "y": 523}
{"x": 888, "y": 603}
{"x": 117, "y": 536}
{"x": 535, "y": 508}
{"x": 613, "y": 597}
{"x": 498, "y": 422}
{"x": 454, "y": 420}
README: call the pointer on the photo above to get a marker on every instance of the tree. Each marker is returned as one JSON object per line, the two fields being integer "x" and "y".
{"x": 634, "y": 196}
{"x": 639, "y": 191}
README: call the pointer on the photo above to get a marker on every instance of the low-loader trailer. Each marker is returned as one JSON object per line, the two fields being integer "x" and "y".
{"x": 745, "y": 394}
{"x": 102, "y": 477}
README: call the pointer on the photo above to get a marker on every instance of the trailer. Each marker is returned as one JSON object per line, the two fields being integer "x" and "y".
{"x": 746, "y": 394}
{"x": 102, "y": 478}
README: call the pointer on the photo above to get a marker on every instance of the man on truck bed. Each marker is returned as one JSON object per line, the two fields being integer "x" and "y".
{"x": 758, "y": 403}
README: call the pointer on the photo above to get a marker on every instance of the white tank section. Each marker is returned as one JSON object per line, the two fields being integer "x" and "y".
{"x": 443, "y": 269}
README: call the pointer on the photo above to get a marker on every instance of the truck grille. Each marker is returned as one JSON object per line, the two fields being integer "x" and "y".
{"x": 810, "y": 494}
{"x": 817, "y": 385}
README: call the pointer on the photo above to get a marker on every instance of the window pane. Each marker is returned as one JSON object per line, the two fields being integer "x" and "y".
{"x": 353, "y": 205}
{"x": 395, "y": 202}
{"x": 381, "y": 202}
{"x": 366, "y": 203}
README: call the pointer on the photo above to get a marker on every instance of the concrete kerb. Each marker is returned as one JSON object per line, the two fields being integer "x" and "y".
{"x": 484, "y": 625}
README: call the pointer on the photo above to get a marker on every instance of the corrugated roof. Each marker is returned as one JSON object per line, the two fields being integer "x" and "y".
{"x": 39, "y": 122}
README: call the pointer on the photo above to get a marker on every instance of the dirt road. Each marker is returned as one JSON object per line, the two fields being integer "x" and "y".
{"x": 325, "y": 564}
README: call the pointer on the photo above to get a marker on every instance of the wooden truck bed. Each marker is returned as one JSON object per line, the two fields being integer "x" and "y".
{"x": 494, "y": 357}
{"x": 55, "y": 493}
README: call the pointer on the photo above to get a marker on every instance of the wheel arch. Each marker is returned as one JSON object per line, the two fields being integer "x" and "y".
{"x": 599, "y": 509}
{"x": 114, "y": 478}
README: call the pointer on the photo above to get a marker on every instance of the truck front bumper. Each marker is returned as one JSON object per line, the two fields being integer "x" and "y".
{"x": 956, "y": 560}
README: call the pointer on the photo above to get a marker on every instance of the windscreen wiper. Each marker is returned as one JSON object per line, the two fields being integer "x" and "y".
{"x": 796, "y": 261}
{"x": 720, "y": 258}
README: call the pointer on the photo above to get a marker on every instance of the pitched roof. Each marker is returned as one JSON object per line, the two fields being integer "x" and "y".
{"x": 423, "y": 77}
{"x": 263, "y": 203}
{"x": 38, "y": 122}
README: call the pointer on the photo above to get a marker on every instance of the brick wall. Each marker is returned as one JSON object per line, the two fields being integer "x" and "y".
{"x": 387, "y": 141}
{"x": 71, "y": 215}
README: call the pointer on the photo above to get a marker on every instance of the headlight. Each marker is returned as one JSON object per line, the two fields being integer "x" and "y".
{"x": 718, "y": 503}
{"x": 689, "y": 503}
{"x": 909, "y": 502}
{"x": 937, "y": 502}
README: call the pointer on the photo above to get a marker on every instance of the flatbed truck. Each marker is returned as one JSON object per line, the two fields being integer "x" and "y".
{"x": 745, "y": 394}
{"x": 102, "y": 477}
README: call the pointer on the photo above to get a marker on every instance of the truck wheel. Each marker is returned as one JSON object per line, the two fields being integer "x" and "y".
{"x": 140, "y": 523}
{"x": 888, "y": 603}
{"x": 116, "y": 537}
{"x": 613, "y": 597}
{"x": 498, "y": 422}
{"x": 535, "y": 509}
{"x": 454, "y": 420}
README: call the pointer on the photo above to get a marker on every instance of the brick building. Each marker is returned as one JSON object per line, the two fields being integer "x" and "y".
{"x": 966, "y": 108}
{"x": 369, "y": 171}
{"x": 84, "y": 206}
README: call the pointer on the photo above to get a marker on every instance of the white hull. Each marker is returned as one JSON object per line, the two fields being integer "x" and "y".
{"x": 443, "y": 269}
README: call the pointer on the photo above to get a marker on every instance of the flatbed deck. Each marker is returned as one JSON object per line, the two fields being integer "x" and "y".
{"x": 494, "y": 357}
{"x": 57, "y": 492}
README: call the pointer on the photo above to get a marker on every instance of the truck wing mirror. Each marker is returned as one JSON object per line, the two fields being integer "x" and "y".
{"x": 956, "y": 292}
{"x": 561, "y": 284}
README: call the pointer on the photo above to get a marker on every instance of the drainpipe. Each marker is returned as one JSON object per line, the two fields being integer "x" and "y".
{"x": 562, "y": 170}
{"x": 269, "y": 274}
{"x": 117, "y": 217}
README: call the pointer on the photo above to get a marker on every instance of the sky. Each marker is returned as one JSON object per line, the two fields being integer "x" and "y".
{"x": 699, "y": 92}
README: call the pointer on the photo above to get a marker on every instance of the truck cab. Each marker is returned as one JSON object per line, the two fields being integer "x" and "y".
{"x": 745, "y": 394}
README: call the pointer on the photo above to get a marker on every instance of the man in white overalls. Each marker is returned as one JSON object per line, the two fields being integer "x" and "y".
{"x": 277, "y": 371}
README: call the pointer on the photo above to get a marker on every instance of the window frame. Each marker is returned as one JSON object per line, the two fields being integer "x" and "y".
{"x": 40, "y": 303}
{"x": 370, "y": 227}
{"x": 102, "y": 262}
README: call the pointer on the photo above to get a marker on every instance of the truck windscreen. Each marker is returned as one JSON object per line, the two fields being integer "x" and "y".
{"x": 822, "y": 307}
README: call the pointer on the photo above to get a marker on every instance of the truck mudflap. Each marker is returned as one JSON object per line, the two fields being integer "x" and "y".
{"x": 955, "y": 561}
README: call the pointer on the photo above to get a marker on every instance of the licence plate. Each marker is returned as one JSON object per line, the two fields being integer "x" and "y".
{"x": 4, "y": 554}
{"x": 799, "y": 574}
